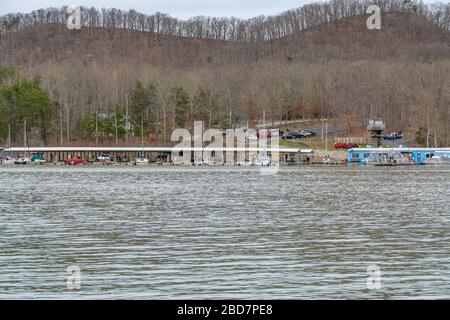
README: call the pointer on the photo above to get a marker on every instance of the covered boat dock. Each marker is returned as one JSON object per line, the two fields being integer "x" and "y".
{"x": 165, "y": 154}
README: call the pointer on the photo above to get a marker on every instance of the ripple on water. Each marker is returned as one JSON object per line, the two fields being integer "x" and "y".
{"x": 309, "y": 232}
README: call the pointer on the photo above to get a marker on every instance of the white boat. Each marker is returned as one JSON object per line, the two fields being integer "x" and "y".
{"x": 23, "y": 160}
{"x": 104, "y": 158}
{"x": 38, "y": 158}
{"x": 245, "y": 163}
{"x": 39, "y": 161}
{"x": 142, "y": 160}
{"x": 8, "y": 161}
{"x": 439, "y": 158}
{"x": 263, "y": 161}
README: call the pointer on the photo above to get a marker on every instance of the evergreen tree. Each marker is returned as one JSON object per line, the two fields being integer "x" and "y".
{"x": 143, "y": 103}
{"x": 181, "y": 102}
{"x": 22, "y": 100}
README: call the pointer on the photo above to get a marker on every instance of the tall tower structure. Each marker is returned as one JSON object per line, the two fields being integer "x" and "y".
{"x": 376, "y": 128}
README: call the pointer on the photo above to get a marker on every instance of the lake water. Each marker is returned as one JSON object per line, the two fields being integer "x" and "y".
{"x": 210, "y": 233}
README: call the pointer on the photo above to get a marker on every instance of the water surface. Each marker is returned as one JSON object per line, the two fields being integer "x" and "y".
{"x": 210, "y": 233}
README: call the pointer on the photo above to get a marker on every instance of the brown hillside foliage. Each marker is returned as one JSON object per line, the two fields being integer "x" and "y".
{"x": 318, "y": 61}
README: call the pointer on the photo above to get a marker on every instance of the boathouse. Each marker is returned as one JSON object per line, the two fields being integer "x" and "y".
{"x": 414, "y": 155}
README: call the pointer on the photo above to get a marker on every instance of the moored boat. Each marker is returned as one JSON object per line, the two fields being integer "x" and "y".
{"x": 142, "y": 160}
{"x": 439, "y": 158}
{"x": 38, "y": 157}
{"x": 23, "y": 161}
{"x": 8, "y": 161}
{"x": 263, "y": 161}
{"x": 76, "y": 161}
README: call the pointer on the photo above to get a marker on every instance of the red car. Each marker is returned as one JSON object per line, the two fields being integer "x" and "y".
{"x": 345, "y": 145}
{"x": 268, "y": 134}
{"x": 74, "y": 161}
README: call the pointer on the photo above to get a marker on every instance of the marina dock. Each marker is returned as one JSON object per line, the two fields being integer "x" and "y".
{"x": 165, "y": 154}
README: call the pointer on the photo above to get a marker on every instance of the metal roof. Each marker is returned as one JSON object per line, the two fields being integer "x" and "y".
{"x": 154, "y": 149}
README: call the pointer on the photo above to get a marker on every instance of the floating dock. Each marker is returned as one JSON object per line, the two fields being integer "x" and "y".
{"x": 405, "y": 155}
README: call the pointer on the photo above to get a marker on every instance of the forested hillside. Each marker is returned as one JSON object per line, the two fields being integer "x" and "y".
{"x": 320, "y": 60}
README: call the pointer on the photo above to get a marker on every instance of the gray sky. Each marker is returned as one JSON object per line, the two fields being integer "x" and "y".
{"x": 176, "y": 8}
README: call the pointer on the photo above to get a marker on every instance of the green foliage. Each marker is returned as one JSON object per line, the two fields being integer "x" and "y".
{"x": 204, "y": 103}
{"x": 104, "y": 123}
{"x": 181, "y": 101}
{"x": 6, "y": 73}
{"x": 3, "y": 123}
{"x": 138, "y": 131}
{"x": 22, "y": 100}
{"x": 200, "y": 104}
{"x": 11, "y": 24}
{"x": 225, "y": 123}
{"x": 87, "y": 126}
{"x": 51, "y": 30}
{"x": 143, "y": 100}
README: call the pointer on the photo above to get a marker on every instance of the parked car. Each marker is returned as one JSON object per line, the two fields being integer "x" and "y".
{"x": 290, "y": 136}
{"x": 393, "y": 136}
{"x": 345, "y": 145}
{"x": 308, "y": 133}
{"x": 267, "y": 134}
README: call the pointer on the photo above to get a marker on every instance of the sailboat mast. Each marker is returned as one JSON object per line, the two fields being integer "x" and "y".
{"x": 142, "y": 132}
{"x": 9, "y": 135}
{"x": 264, "y": 119}
{"x": 25, "y": 133}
